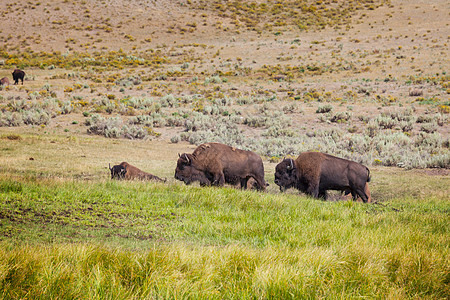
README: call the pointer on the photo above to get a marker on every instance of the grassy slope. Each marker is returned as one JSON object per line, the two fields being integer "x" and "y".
{"x": 78, "y": 239}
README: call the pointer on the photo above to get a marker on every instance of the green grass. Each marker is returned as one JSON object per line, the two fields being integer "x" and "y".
{"x": 119, "y": 240}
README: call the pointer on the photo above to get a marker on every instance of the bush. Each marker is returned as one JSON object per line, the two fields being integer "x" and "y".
{"x": 324, "y": 109}
{"x": 113, "y": 128}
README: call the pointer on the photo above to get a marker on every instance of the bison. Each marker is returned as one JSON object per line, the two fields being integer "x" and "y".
{"x": 4, "y": 81}
{"x": 18, "y": 74}
{"x": 128, "y": 172}
{"x": 314, "y": 173}
{"x": 217, "y": 164}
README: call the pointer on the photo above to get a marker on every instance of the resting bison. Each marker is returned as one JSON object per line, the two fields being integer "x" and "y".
{"x": 127, "y": 171}
{"x": 216, "y": 164}
{"x": 4, "y": 81}
{"x": 314, "y": 173}
{"x": 18, "y": 74}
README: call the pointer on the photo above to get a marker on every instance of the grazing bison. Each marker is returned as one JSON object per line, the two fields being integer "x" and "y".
{"x": 18, "y": 74}
{"x": 216, "y": 164}
{"x": 314, "y": 173}
{"x": 4, "y": 81}
{"x": 127, "y": 171}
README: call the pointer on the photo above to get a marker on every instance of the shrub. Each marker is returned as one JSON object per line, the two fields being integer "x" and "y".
{"x": 341, "y": 117}
{"x": 129, "y": 81}
{"x": 291, "y": 108}
{"x": 36, "y": 117}
{"x": 9, "y": 119}
{"x": 428, "y": 127}
{"x": 415, "y": 92}
{"x": 385, "y": 122}
{"x": 324, "y": 109}
{"x": 168, "y": 101}
{"x": 134, "y": 132}
{"x": 113, "y": 128}
{"x": 175, "y": 139}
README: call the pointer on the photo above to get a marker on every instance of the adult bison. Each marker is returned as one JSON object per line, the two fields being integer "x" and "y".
{"x": 127, "y": 171}
{"x": 314, "y": 173}
{"x": 216, "y": 164}
{"x": 4, "y": 81}
{"x": 18, "y": 74}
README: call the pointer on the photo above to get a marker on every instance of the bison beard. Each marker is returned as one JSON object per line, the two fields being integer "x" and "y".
{"x": 127, "y": 171}
{"x": 314, "y": 173}
{"x": 217, "y": 164}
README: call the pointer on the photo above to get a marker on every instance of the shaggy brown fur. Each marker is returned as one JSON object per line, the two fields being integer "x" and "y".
{"x": 132, "y": 172}
{"x": 366, "y": 190}
{"x": 4, "y": 81}
{"x": 18, "y": 74}
{"x": 217, "y": 164}
{"x": 314, "y": 173}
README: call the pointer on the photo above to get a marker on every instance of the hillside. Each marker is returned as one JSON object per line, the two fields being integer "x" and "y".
{"x": 359, "y": 79}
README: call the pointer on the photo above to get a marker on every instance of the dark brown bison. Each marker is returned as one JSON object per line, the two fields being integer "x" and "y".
{"x": 128, "y": 172}
{"x": 217, "y": 164}
{"x": 18, "y": 74}
{"x": 314, "y": 173}
{"x": 4, "y": 81}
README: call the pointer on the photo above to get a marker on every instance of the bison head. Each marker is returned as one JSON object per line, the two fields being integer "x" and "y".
{"x": 117, "y": 171}
{"x": 285, "y": 174}
{"x": 188, "y": 173}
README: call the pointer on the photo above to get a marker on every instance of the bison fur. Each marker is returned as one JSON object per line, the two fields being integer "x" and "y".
{"x": 4, "y": 81}
{"x": 128, "y": 172}
{"x": 315, "y": 173}
{"x": 18, "y": 75}
{"x": 217, "y": 164}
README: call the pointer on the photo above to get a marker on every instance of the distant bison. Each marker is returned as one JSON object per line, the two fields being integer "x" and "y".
{"x": 18, "y": 74}
{"x": 217, "y": 164}
{"x": 4, "y": 81}
{"x": 128, "y": 172}
{"x": 314, "y": 173}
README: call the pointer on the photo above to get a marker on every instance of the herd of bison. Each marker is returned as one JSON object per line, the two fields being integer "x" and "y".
{"x": 214, "y": 164}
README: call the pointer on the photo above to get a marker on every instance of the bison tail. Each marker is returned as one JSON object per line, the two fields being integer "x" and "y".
{"x": 368, "y": 175}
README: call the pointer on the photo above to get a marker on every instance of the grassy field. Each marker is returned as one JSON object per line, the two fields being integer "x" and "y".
{"x": 107, "y": 239}
{"x": 142, "y": 81}
{"x": 68, "y": 231}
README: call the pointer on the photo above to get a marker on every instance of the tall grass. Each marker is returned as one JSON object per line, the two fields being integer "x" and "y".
{"x": 69, "y": 239}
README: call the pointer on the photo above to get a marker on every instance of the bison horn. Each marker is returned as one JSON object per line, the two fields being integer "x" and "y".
{"x": 187, "y": 158}
{"x": 179, "y": 155}
{"x": 291, "y": 166}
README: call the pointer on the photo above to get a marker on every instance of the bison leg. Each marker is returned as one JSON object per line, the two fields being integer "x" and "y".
{"x": 244, "y": 182}
{"x": 313, "y": 190}
{"x": 367, "y": 191}
{"x": 323, "y": 194}
{"x": 361, "y": 194}
{"x": 219, "y": 179}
